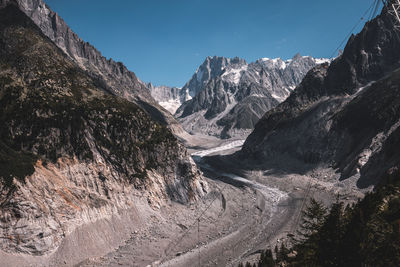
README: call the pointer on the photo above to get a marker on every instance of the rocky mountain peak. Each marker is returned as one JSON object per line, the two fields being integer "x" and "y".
{"x": 344, "y": 115}
{"x": 367, "y": 56}
{"x": 237, "y": 60}
{"x": 297, "y": 56}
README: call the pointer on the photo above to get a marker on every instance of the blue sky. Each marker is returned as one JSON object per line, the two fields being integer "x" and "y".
{"x": 164, "y": 41}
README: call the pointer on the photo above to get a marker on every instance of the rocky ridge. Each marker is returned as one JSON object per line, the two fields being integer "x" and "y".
{"x": 112, "y": 76}
{"x": 72, "y": 154}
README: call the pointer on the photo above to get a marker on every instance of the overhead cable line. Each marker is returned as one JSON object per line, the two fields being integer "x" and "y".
{"x": 352, "y": 30}
{"x": 174, "y": 244}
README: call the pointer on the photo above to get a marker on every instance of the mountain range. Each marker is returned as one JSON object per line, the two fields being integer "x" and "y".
{"x": 88, "y": 151}
{"x": 226, "y": 97}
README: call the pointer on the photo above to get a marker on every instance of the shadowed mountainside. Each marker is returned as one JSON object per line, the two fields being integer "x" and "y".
{"x": 111, "y": 76}
{"x": 345, "y": 115}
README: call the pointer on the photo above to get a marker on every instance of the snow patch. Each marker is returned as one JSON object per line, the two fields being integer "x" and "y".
{"x": 273, "y": 195}
{"x": 234, "y": 144}
{"x": 188, "y": 96}
{"x": 279, "y": 63}
{"x": 257, "y": 95}
{"x": 276, "y": 62}
{"x": 233, "y": 75}
{"x": 171, "y": 105}
{"x": 281, "y": 98}
{"x": 362, "y": 88}
{"x": 319, "y": 61}
{"x": 277, "y": 97}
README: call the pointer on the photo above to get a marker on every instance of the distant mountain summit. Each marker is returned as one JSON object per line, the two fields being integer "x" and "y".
{"x": 226, "y": 97}
{"x": 211, "y": 68}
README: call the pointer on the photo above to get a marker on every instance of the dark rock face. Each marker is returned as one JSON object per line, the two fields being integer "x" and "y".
{"x": 230, "y": 96}
{"x": 71, "y": 153}
{"x": 367, "y": 57}
{"x": 367, "y": 130}
{"x": 112, "y": 76}
{"x": 339, "y": 116}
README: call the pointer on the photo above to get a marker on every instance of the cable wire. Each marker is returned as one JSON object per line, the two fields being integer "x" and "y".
{"x": 173, "y": 244}
{"x": 352, "y": 30}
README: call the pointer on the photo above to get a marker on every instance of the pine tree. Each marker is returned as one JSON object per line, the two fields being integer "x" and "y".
{"x": 364, "y": 234}
{"x": 266, "y": 259}
{"x": 329, "y": 252}
{"x": 313, "y": 218}
{"x": 282, "y": 254}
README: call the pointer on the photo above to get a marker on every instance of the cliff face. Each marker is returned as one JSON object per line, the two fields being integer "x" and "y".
{"x": 71, "y": 153}
{"x": 344, "y": 115}
{"x": 168, "y": 97}
{"x": 112, "y": 76}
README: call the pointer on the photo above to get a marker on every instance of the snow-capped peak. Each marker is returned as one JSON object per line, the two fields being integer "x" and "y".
{"x": 322, "y": 60}
{"x": 274, "y": 63}
{"x": 234, "y": 73}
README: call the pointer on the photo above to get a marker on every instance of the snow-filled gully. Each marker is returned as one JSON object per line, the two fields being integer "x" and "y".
{"x": 271, "y": 196}
{"x": 231, "y": 145}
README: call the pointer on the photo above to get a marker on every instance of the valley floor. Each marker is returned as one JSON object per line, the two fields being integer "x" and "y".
{"x": 246, "y": 210}
{"x": 240, "y": 215}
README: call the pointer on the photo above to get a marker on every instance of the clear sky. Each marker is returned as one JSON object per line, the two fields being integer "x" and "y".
{"x": 164, "y": 41}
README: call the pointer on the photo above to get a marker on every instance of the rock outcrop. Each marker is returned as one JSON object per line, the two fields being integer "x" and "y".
{"x": 70, "y": 152}
{"x": 226, "y": 97}
{"x": 345, "y": 115}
